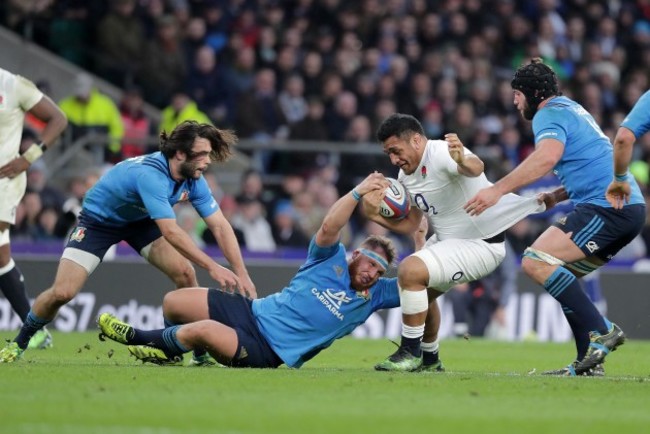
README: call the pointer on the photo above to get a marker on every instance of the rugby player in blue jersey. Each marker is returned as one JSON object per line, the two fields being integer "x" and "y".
{"x": 569, "y": 142}
{"x": 635, "y": 124}
{"x": 133, "y": 202}
{"x": 327, "y": 299}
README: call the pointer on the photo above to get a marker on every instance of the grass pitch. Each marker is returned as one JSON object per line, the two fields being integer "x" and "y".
{"x": 85, "y": 386}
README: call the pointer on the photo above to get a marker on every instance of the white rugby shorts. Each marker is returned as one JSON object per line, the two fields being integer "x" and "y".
{"x": 11, "y": 193}
{"x": 454, "y": 261}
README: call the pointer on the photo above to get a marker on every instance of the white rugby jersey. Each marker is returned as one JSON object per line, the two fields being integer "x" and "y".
{"x": 17, "y": 96}
{"x": 440, "y": 191}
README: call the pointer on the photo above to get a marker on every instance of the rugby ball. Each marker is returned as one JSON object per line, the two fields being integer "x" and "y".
{"x": 397, "y": 202}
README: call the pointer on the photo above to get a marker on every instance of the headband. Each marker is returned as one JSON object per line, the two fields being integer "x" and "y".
{"x": 376, "y": 256}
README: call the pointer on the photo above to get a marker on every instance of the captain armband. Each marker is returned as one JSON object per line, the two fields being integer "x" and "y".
{"x": 34, "y": 152}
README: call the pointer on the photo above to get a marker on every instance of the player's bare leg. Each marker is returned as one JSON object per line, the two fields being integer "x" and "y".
{"x": 413, "y": 276}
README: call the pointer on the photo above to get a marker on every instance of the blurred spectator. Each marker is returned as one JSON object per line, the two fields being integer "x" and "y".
{"x": 88, "y": 110}
{"x": 188, "y": 220}
{"x": 312, "y": 126}
{"x": 182, "y": 108}
{"x": 463, "y": 122}
{"x": 252, "y": 187}
{"x": 339, "y": 117}
{"x": 120, "y": 41}
{"x": 26, "y": 226}
{"x": 292, "y": 99}
{"x": 45, "y": 225}
{"x": 309, "y": 216}
{"x": 51, "y": 197}
{"x": 285, "y": 232}
{"x": 250, "y": 220}
{"x": 77, "y": 188}
{"x": 432, "y": 121}
{"x": 137, "y": 125}
{"x": 259, "y": 115}
{"x": 195, "y": 38}
{"x": 206, "y": 86}
{"x": 68, "y": 31}
{"x": 240, "y": 72}
{"x": 312, "y": 71}
{"x": 291, "y": 184}
{"x": 163, "y": 68}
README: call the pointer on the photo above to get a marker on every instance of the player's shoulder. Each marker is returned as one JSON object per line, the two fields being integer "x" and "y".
{"x": 25, "y": 82}
{"x": 435, "y": 147}
{"x": 643, "y": 102}
{"x": 436, "y": 144}
{"x": 555, "y": 112}
{"x": 155, "y": 165}
{"x": 7, "y": 75}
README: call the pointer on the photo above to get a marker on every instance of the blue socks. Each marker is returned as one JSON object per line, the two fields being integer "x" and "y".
{"x": 565, "y": 288}
{"x": 31, "y": 325}
{"x": 580, "y": 334}
{"x": 198, "y": 352}
{"x": 165, "y": 339}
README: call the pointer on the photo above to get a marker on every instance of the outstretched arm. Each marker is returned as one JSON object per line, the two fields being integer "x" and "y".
{"x": 225, "y": 236}
{"x": 554, "y": 197}
{"x": 538, "y": 164}
{"x": 339, "y": 214}
{"x": 182, "y": 242}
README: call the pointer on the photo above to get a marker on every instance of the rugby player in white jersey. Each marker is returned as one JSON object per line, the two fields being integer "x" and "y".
{"x": 441, "y": 175}
{"x": 19, "y": 96}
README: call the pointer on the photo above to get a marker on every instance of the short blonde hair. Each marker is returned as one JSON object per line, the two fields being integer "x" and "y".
{"x": 375, "y": 241}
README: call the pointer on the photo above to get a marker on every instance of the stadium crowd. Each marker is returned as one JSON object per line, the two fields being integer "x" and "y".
{"x": 328, "y": 70}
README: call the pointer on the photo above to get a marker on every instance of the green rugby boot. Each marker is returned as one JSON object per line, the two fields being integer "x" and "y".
{"x": 203, "y": 360}
{"x": 400, "y": 361}
{"x": 153, "y": 355}
{"x": 114, "y": 329}
{"x": 433, "y": 367}
{"x": 11, "y": 352}
{"x": 41, "y": 340}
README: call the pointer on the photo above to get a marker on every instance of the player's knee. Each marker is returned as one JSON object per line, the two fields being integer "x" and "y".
{"x": 196, "y": 332}
{"x": 185, "y": 276}
{"x": 412, "y": 272}
{"x": 60, "y": 295}
{"x": 169, "y": 305}
{"x": 530, "y": 266}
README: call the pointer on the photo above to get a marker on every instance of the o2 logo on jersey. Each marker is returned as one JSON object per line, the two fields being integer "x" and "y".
{"x": 421, "y": 203}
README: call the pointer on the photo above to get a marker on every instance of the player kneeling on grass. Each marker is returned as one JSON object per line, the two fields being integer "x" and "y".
{"x": 326, "y": 300}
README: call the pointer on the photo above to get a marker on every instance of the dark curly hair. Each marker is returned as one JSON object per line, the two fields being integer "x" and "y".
{"x": 183, "y": 136}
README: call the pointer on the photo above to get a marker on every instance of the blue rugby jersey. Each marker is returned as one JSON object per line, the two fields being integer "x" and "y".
{"x": 638, "y": 120}
{"x": 318, "y": 306}
{"x": 142, "y": 187}
{"x": 586, "y": 167}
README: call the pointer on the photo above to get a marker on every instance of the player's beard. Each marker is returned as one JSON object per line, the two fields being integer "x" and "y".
{"x": 188, "y": 170}
{"x": 528, "y": 112}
